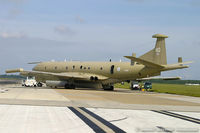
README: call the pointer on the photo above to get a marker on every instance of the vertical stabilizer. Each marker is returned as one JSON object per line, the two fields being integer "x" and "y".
{"x": 158, "y": 54}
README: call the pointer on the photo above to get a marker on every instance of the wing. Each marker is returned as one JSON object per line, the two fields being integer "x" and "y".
{"x": 62, "y": 76}
{"x": 162, "y": 78}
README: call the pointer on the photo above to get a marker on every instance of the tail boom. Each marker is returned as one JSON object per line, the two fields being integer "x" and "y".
{"x": 174, "y": 67}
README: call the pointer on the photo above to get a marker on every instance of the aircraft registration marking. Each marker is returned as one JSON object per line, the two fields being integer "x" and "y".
{"x": 157, "y": 51}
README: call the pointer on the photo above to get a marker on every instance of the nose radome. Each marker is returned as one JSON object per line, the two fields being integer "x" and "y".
{"x": 35, "y": 68}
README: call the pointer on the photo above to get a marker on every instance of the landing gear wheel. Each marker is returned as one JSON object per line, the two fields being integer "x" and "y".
{"x": 109, "y": 88}
{"x": 70, "y": 86}
{"x": 66, "y": 86}
{"x": 39, "y": 84}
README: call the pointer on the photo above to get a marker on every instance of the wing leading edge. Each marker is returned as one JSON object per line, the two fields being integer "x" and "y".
{"x": 63, "y": 75}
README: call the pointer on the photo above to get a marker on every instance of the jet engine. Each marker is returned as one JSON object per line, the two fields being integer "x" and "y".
{"x": 55, "y": 84}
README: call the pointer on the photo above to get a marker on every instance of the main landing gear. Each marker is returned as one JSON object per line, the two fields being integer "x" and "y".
{"x": 108, "y": 88}
{"x": 70, "y": 86}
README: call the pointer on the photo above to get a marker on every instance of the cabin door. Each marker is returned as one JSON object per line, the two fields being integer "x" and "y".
{"x": 112, "y": 69}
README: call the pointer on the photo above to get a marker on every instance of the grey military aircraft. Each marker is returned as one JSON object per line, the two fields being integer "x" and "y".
{"x": 104, "y": 74}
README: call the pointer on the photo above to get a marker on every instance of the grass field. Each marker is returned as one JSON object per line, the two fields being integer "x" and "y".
{"x": 170, "y": 88}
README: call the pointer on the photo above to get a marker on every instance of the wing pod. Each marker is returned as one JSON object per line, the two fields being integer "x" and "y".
{"x": 14, "y": 70}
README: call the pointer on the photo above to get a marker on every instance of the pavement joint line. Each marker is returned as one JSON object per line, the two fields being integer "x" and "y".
{"x": 62, "y": 96}
{"x": 183, "y": 117}
{"x": 164, "y": 129}
{"x": 96, "y": 125}
{"x": 105, "y": 122}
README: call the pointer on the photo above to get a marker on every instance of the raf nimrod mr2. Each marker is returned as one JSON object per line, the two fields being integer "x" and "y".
{"x": 104, "y": 74}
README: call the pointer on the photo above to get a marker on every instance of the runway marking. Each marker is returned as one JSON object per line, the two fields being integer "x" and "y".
{"x": 97, "y": 123}
{"x": 108, "y": 124}
{"x": 183, "y": 117}
{"x": 91, "y": 124}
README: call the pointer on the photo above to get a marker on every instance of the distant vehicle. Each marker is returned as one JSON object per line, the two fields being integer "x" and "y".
{"x": 147, "y": 85}
{"x": 29, "y": 82}
{"x": 135, "y": 86}
{"x": 191, "y": 84}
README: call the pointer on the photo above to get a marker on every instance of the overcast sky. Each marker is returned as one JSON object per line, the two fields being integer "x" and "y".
{"x": 91, "y": 30}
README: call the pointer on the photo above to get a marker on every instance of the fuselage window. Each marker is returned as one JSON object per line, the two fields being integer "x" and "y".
{"x": 101, "y": 68}
{"x": 84, "y": 67}
{"x": 56, "y": 67}
{"x": 73, "y": 67}
{"x": 45, "y": 68}
{"x": 66, "y": 67}
{"x": 88, "y": 68}
{"x": 81, "y": 67}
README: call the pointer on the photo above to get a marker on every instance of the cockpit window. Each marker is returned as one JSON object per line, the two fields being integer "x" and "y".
{"x": 73, "y": 67}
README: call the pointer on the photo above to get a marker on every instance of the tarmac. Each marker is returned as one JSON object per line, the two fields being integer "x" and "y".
{"x": 42, "y": 109}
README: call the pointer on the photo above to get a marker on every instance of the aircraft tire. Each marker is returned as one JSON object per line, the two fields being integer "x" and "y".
{"x": 111, "y": 88}
{"x": 69, "y": 86}
{"x": 66, "y": 86}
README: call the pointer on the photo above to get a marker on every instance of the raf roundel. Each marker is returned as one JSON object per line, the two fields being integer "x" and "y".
{"x": 118, "y": 69}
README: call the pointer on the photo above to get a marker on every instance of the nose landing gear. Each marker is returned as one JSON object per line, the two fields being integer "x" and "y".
{"x": 70, "y": 86}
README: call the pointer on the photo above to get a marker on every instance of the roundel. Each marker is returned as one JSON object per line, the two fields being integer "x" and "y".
{"x": 118, "y": 69}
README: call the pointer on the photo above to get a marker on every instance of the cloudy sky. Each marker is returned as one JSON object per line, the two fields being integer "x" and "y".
{"x": 91, "y": 30}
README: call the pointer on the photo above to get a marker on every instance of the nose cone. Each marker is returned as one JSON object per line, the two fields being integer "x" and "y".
{"x": 35, "y": 68}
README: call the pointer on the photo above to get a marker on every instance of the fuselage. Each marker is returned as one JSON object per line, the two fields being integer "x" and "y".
{"x": 113, "y": 70}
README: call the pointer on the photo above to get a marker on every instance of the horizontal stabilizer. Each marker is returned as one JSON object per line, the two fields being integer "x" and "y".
{"x": 188, "y": 62}
{"x": 34, "y": 62}
{"x": 144, "y": 62}
{"x": 162, "y": 78}
{"x": 177, "y": 66}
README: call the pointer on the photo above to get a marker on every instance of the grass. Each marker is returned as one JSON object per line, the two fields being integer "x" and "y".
{"x": 125, "y": 86}
{"x": 170, "y": 88}
{"x": 177, "y": 89}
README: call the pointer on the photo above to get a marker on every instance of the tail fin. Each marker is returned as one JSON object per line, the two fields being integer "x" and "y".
{"x": 158, "y": 54}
